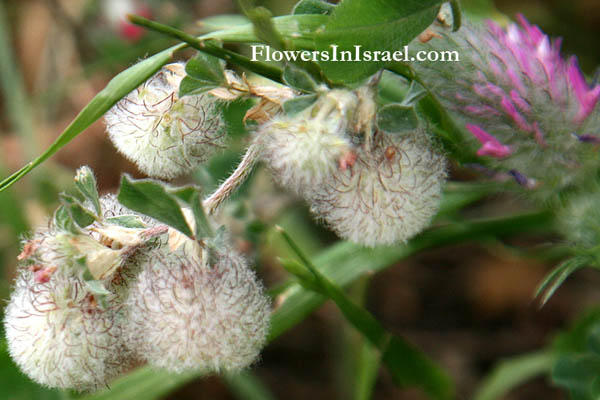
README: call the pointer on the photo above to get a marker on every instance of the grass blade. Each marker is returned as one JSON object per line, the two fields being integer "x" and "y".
{"x": 117, "y": 88}
{"x": 246, "y": 386}
{"x": 512, "y": 372}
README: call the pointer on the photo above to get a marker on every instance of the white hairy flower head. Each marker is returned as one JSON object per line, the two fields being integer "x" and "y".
{"x": 304, "y": 149}
{"x": 164, "y": 134}
{"x": 388, "y": 195}
{"x": 58, "y": 331}
{"x": 65, "y": 319}
{"x": 189, "y": 313}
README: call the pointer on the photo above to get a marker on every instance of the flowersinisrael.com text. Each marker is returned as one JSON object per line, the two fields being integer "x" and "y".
{"x": 262, "y": 52}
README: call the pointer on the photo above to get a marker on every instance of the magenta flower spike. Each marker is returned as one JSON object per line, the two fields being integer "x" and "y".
{"x": 527, "y": 108}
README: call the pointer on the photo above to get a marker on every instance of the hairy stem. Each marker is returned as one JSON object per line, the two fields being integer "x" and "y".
{"x": 239, "y": 176}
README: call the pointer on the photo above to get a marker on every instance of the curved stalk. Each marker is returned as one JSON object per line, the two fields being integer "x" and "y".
{"x": 235, "y": 180}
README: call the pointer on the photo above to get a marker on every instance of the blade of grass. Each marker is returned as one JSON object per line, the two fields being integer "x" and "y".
{"x": 369, "y": 360}
{"x": 143, "y": 384}
{"x": 247, "y": 386}
{"x": 558, "y": 276}
{"x": 510, "y": 373}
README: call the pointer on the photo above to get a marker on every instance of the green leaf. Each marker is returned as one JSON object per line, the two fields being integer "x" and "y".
{"x": 512, "y": 372}
{"x": 313, "y": 7}
{"x": 264, "y": 29}
{"x": 396, "y": 118}
{"x": 579, "y": 374}
{"x": 415, "y": 93}
{"x": 246, "y": 386}
{"x": 192, "y": 197}
{"x": 190, "y": 86}
{"x": 203, "y": 228}
{"x": 297, "y": 104}
{"x": 299, "y": 79}
{"x": 184, "y": 193}
{"x": 97, "y": 287}
{"x": 558, "y": 276}
{"x": 207, "y": 68}
{"x": 593, "y": 339}
{"x": 575, "y": 339}
{"x": 456, "y": 15}
{"x": 374, "y": 25}
{"x": 306, "y": 279}
{"x": 150, "y": 198}
{"x": 367, "y": 368}
{"x": 81, "y": 215}
{"x": 116, "y": 89}
{"x": 144, "y": 383}
{"x": 204, "y": 73}
{"x": 408, "y": 365}
{"x": 126, "y": 221}
{"x": 64, "y": 221}
{"x": 86, "y": 184}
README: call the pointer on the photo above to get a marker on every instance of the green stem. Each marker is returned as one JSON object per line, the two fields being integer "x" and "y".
{"x": 266, "y": 70}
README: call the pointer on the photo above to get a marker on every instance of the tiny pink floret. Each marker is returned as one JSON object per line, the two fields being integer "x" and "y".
{"x": 490, "y": 146}
{"x": 587, "y": 97}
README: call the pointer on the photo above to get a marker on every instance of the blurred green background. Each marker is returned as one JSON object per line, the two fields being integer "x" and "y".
{"x": 467, "y": 306}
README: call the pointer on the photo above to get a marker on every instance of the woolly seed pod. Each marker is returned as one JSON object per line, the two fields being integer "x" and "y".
{"x": 304, "y": 149}
{"x": 61, "y": 331}
{"x": 57, "y": 331}
{"x": 530, "y": 112}
{"x": 389, "y": 194}
{"x": 189, "y": 314}
{"x": 165, "y": 135}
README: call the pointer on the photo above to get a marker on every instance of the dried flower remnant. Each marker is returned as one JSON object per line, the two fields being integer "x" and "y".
{"x": 165, "y": 135}
{"x": 525, "y": 106}
{"x": 388, "y": 195}
{"x": 192, "y": 311}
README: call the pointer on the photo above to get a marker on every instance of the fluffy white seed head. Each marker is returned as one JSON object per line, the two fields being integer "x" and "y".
{"x": 188, "y": 314}
{"x": 57, "y": 331}
{"x": 304, "y": 149}
{"x": 165, "y": 135}
{"x": 388, "y": 195}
